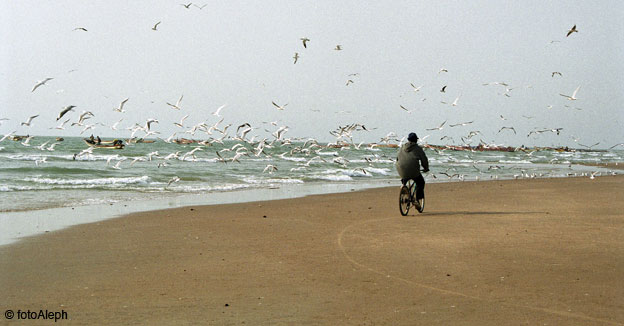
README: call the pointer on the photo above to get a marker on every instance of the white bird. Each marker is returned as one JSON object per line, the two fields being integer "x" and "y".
{"x": 186, "y": 6}
{"x": 181, "y": 123}
{"x": 61, "y": 126}
{"x": 41, "y": 83}
{"x": 279, "y": 107}
{"x": 442, "y": 70}
{"x": 64, "y": 111}
{"x": 121, "y": 105}
{"x": 217, "y": 113}
{"x": 402, "y": 107}
{"x": 573, "y": 97}
{"x": 440, "y": 127}
{"x": 416, "y": 89}
{"x": 455, "y": 102}
{"x": 172, "y": 180}
{"x": 461, "y": 124}
{"x": 155, "y": 28}
{"x": 114, "y": 126}
{"x": 305, "y": 40}
{"x": 338, "y": 47}
{"x": 271, "y": 168}
{"x": 7, "y": 135}
{"x": 29, "y": 120}
{"x": 296, "y": 57}
{"x": 177, "y": 105}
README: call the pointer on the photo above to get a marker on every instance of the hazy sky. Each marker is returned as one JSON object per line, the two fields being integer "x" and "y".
{"x": 240, "y": 53}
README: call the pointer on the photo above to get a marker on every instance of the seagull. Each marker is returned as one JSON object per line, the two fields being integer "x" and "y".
{"x": 438, "y": 128}
{"x": 616, "y": 145}
{"x": 442, "y": 70}
{"x": 338, "y": 47}
{"x": 296, "y": 57}
{"x": 502, "y": 118}
{"x": 200, "y": 7}
{"x": 573, "y": 97}
{"x": 177, "y": 105}
{"x": 65, "y": 110}
{"x": 305, "y": 40}
{"x": 589, "y": 147}
{"x": 510, "y": 128}
{"x": 556, "y": 73}
{"x": 402, "y": 107}
{"x": 572, "y": 30}
{"x": 416, "y": 89}
{"x": 349, "y": 81}
{"x": 186, "y": 6}
{"x": 271, "y": 168}
{"x": 7, "y": 136}
{"x": 216, "y": 113}
{"x": 30, "y": 119}
{"x": 80, "y": 29}
{"x": 461, "y": 124}
{"x": 279, "y": 107}
{"x": 155, "y": 28}
{"x": 40, "y": 83}
{"x": 61, "y": 126}
{"x": 121, "y": 105}
{"x": 180, "y": 124}
{"x": 455, "y": 102}
{"x": 114, "y": 126}
{"x": 443, "y": 90}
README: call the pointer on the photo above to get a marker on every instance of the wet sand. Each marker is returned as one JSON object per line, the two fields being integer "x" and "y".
{"x": 545, "y": 251}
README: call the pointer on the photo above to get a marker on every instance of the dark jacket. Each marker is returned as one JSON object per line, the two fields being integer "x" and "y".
{"x": 408, "y": 160}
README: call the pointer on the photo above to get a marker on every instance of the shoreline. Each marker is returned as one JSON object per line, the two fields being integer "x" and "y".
{"x": 19, "y": 224}
{"x": 500, "y": 252}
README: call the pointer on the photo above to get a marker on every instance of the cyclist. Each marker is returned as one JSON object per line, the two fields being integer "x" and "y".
{"x": 408, "y": 164}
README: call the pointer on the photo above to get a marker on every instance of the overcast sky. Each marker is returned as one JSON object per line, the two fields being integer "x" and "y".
{"x": 240, "y": 53}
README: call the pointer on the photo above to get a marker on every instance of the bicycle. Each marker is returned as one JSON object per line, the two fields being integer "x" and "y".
{"x": 407, "y": 198}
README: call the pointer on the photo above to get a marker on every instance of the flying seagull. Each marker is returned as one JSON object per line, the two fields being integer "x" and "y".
{"x": 443, "y": 90}
{"x": 186, "y": 6}
{"x": 438, "y": 128}
{"x": 40, "y": 83}
{"x": 402, "y": 107}
{"x": 65, "y": 110}
{"x": 279, "y": 107}
{"x": 121, "y": 105}
{"x": 177, "y": 105}
{"x": 338, "y": 47}
{"x": 29, "y": 120}
{"x": 80, "y": 29}
{"x": 155, "y": 27}
{"x": 218, "y": 110}
{"x": 296, "y": 57}
{"x": 305, "y": 40}
{"x": 572, "y": 30}
{"x": 573, "y": 97}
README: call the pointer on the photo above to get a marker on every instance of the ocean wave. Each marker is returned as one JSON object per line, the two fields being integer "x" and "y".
{"x": 98, "y": 181}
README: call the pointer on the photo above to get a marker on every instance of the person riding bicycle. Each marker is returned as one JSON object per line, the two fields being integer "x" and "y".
{"x": 408, "y": 164}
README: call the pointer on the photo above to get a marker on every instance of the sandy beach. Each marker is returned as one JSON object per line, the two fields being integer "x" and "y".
{"x": 523, "y": 252}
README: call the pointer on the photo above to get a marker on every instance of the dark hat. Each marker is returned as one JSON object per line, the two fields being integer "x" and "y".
{"x": 412, "y": 137}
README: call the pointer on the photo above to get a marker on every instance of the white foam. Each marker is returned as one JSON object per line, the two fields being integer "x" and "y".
{"x": 98, "y": 181}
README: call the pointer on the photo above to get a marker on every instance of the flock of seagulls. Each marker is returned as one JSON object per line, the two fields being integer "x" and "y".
{"x": 256, "y": 147}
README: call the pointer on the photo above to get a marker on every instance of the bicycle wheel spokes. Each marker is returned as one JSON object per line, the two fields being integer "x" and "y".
{"x": 405, "y": 200}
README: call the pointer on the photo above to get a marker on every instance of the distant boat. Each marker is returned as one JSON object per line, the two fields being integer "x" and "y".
{"x": 112, "y": 144}
{"x": 60, "y": 138}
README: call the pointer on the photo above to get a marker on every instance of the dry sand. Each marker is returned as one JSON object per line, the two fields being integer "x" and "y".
{"x": 525, "y": 252}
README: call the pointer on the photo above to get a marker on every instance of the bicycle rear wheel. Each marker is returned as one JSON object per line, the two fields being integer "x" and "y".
{"x": 405, "y": 200}
{"x": 420, "y": 205}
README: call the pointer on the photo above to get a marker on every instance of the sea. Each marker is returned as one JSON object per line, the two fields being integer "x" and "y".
{"x": 47, "y": 184}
